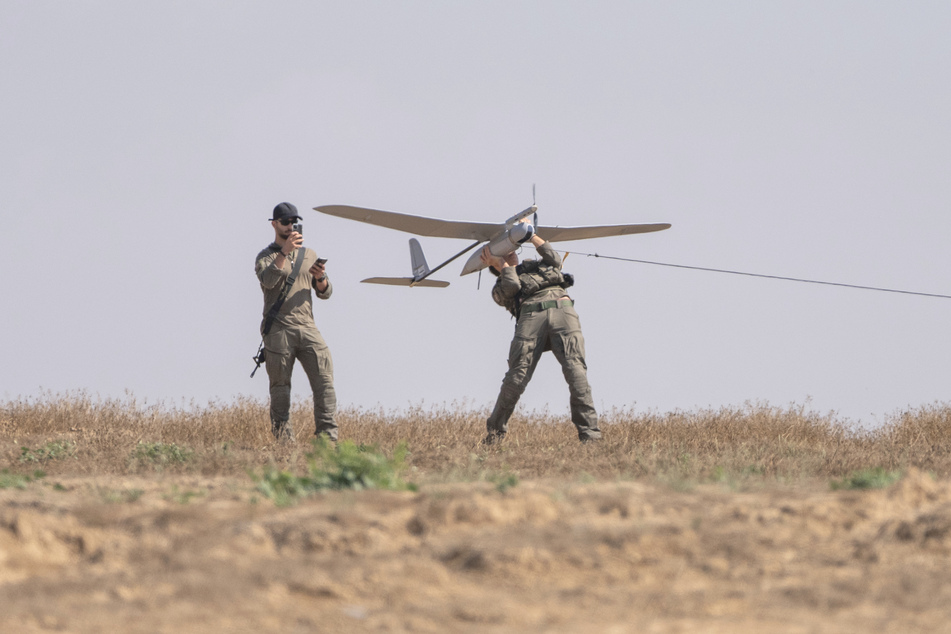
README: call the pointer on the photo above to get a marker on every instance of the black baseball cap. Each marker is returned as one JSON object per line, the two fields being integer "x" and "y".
{"x": 285, "y": 210}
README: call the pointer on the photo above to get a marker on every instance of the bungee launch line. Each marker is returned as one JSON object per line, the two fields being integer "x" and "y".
{"x": 771, "y": 277}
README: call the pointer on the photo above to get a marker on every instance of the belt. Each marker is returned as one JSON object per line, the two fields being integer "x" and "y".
{"x": 552, "y": 303}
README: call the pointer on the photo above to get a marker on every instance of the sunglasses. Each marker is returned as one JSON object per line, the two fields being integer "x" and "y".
{"x": 288, "y": 221}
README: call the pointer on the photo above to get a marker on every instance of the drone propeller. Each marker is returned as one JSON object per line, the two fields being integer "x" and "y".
{"x": 535, "y": 217}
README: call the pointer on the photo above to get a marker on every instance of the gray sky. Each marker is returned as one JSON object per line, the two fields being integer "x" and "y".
{"x": 145, "y": 145}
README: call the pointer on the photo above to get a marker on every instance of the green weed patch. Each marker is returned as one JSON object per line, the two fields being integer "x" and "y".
{"x": 876, "y": 478}
{"x": 346, "y": 466}
{"x": 18, "y": 480}
{"x": 160, "y": 455}
{"x": 53, "y": 450}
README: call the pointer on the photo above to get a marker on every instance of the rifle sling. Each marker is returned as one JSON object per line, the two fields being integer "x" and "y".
{"x": 275, "y": 309}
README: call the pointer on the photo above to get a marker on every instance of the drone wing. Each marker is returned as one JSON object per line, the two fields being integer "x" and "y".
{"x": 563, "y": 234}
{"x": 419, "y": 225}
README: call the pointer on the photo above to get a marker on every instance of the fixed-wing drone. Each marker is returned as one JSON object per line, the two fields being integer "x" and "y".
{"x": 501, "y": 238}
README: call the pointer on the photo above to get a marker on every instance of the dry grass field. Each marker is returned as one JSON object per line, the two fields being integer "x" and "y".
{"x": 122, "y": 517}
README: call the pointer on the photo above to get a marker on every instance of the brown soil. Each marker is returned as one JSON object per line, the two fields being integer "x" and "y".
{"x": 192, "y": 553}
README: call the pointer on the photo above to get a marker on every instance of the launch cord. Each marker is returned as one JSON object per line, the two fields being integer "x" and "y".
{"x": 770, "y": 277}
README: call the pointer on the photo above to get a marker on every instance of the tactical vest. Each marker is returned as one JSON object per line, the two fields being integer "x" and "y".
{"x": 534, "y": 276}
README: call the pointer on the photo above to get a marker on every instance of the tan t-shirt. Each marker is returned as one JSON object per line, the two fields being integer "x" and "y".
{"x": 297, "y": 309}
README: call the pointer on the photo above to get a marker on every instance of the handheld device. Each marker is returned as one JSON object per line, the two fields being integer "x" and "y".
{"x": 298, "y": 227}
{"x": 321, "y": 260}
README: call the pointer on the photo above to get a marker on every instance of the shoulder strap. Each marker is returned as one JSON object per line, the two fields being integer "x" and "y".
{"x": 275, "y": 309}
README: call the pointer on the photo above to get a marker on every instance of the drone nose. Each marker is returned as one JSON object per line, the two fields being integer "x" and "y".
{"x": 521, "y": 232}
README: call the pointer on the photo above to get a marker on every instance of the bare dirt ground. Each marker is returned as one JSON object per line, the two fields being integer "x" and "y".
{"x": 189, "y": 553}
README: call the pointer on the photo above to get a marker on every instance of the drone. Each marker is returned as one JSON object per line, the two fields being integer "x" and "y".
{"x": 500, "y": 238}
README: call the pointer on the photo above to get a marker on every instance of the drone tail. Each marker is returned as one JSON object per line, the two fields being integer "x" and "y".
{"x": 420, "y": 271}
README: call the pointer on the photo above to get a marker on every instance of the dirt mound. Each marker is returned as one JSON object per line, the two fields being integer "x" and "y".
{"x": 34, "y": 543}
{"x": 193, "y": 554}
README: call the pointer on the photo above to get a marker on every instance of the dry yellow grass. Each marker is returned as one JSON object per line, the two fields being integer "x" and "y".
{"x": 735, "y": 445}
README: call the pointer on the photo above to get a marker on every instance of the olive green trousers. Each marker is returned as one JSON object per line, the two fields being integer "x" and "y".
{"x": 558, "y": 330}
{"x": 284, "y": 345}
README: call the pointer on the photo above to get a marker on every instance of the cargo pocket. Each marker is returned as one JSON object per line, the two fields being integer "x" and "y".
{"x": 520, "y": 357}
{"x": 311, "y": 337}
{"x": 572, "y": 344}
{"x": 276, "y": 342}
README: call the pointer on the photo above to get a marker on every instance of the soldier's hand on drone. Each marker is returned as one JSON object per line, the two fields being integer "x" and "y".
{"x": 488, "y": 259}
